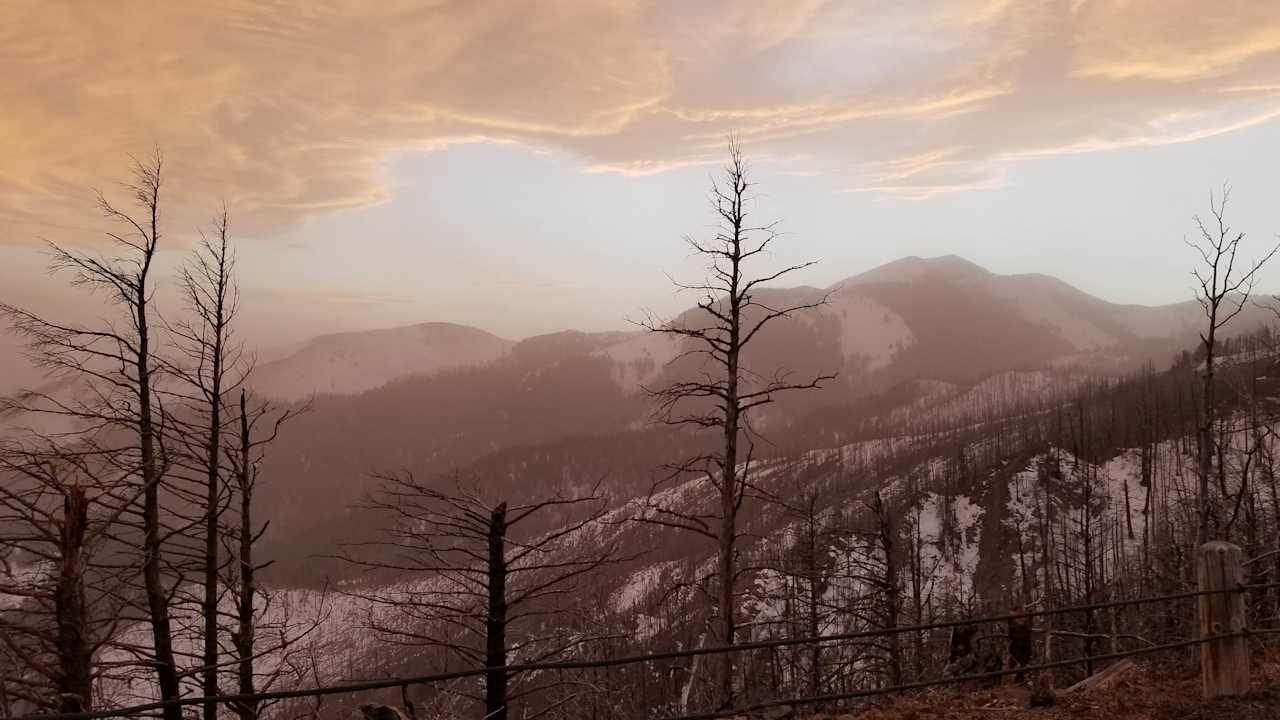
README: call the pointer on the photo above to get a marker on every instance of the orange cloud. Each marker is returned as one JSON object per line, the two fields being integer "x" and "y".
{"x": 1173, "y": 40}
{"x": 292, "y": 109}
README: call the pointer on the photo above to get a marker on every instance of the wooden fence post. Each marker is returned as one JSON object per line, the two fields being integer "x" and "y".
{"x": 1224, "y": 663}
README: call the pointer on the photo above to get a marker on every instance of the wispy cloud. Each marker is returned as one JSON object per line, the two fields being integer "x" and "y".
{"x": 1172, "y": 40}
{"x": 293, "y": 109}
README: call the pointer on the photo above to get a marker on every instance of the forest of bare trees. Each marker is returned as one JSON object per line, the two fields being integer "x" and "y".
{"x": 118, "y": 497}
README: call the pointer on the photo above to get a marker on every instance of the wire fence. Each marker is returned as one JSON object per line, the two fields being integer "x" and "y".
{"x": 599, "y": 663}
{"x": 924, "y": 684}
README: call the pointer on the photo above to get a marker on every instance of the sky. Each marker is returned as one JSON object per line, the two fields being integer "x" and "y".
{"x": 526, "y": 167}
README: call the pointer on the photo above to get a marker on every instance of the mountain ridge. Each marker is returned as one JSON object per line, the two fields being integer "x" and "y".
{"x": 879, "y": 315}
{"x": 356, "y": 361}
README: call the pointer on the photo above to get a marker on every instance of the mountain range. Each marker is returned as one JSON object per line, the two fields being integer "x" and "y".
{"x": 941, "y": 318}
{"x": 978, "y": 407}
{"x": 940, "y": 339}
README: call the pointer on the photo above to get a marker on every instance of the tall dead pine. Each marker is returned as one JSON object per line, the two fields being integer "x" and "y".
{"x": 720, "y": 394}
{"x": 1223, "y": 291}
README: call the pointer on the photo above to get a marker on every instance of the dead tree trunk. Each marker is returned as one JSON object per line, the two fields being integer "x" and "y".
{"x": 495, "y": 680}
{"x": 75, "y": 651}
{"x": 240, "y": 576}
{"x": 892, "y": 596}
{"x": 151, "y": 476}
{"x": 729, "y": 499}
{"x": 502, "y": 580}
{"x": 815, "y": 600}
{"x": 730, "y": 317}
{"x": 208, "y": 286}
{"x": 917, "y": 595}
{"x": 243, "y": 637}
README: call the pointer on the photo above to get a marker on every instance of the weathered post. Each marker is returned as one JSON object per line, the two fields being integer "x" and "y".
{"x": 1224, "y": 662}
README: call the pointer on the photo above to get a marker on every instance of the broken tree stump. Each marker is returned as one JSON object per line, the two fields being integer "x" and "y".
{"x": 1104, "y": 678}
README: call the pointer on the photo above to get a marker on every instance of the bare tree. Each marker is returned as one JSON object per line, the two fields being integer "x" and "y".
{"x": 119, "y": 366}
{"x": 208, "y": 363}
{"x": 886, "y": 540}
{"x": 487, "y": 579}
{"x": 1223, "y": 292}
{"x": 258, "y": 427}
{"x": 243, "y": 638}
{"x": 722, "y": 391}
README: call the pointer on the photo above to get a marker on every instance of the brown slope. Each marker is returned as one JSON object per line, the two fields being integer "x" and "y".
{"x": 349, "y": 363}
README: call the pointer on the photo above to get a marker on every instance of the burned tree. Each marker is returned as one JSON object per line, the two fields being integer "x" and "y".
{"x": 209, "y": 365}
{"x": 886, "y": 541}
{"x": 487, "y": 579}
{"x": 143, "y": 476}
{"x": 1223, "y": 292}
{"x": 716, "y": 390}
{"x": 244, "y": 584}
{"x": 257, "y": 426}
{"x": 118, "y": 417}
{"x": 217, "y": 454}
{"x": 65, "y": 598}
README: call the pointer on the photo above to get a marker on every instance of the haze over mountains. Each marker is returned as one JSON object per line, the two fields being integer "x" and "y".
{"x": 897, "y": 322}
{"x": 353, "y": 362}
{"x": 940, "y": 337}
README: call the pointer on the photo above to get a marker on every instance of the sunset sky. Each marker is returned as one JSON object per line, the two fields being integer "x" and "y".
{"x": 528, "y": 166}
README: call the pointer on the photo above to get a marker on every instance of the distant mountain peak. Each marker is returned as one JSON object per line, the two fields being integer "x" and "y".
{"x": 913, "y": 267}
{"x": 955, "y": 263}
{"x": 425, "y": 331}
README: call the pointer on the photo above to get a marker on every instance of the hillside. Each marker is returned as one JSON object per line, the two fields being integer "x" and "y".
{"x": 348, "y": 363}
{"x": 913, "y": 340}
{"x": 937, "y": 342}
{"x": 995, "y": 502}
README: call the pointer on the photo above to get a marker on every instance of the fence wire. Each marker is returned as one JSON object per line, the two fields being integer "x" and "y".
{"x": 994, "y": 674}
{"x": 591, "y": 663}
